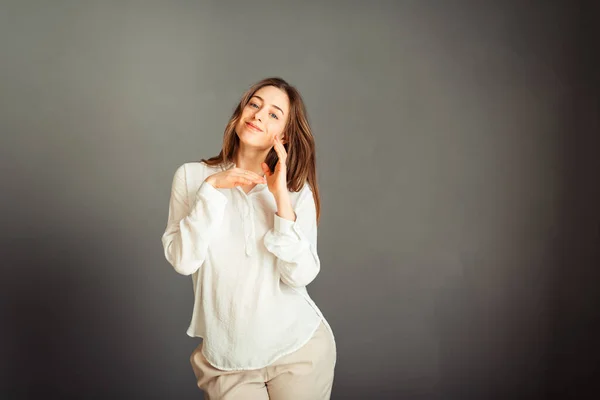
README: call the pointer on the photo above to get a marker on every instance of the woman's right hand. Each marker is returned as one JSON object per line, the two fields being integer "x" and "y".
{"x": 234, "y": 177}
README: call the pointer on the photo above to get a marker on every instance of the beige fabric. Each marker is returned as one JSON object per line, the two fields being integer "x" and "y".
{"x": 306, "y": 374}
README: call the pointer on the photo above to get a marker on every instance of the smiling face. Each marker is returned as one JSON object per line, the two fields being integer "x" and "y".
{"x": 263, "y": 118}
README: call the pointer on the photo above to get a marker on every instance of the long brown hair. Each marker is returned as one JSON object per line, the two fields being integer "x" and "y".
{"x": 299, "y": 145}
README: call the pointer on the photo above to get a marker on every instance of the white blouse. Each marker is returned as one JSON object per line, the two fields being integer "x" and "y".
{"x": 249, "y": 267}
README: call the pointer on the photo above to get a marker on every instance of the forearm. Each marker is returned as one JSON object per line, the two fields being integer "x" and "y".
{"x": 293, "y": 239}
{"x": 188, "y": 231}
{"x": 284, "y": 206}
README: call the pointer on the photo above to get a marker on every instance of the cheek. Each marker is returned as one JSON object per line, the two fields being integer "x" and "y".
{"x": 243, "y": 118}
{"x": 246, "y": 112}
{"x": 238, "y": 126}
{"x": 276, "y": 128}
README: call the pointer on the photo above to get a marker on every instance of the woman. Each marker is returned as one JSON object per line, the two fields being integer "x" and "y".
{"x": 243, "y": 224}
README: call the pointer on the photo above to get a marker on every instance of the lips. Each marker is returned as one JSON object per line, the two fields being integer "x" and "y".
{"x": 253, "y": 127}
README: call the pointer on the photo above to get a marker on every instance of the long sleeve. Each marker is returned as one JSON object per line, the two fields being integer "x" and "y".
{"x": 294, "y": 243}
{"x": 189, "y": 228}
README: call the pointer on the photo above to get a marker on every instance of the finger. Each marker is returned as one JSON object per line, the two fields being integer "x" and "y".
{"x": 276, "y": 145}
{"x": 246, "y": 174}
{"x": 242, "y": 181}
{"x": 239, "y": 177}
{"x": 253, "y": 177}
{"x": 281, "y": 146}
{"x": 281, "y": 153}
{"x": 253, "y": 174}
{"x": 243, "y": 172}
{"x": 266, "y": 169}
{"x": 254, "y": 180}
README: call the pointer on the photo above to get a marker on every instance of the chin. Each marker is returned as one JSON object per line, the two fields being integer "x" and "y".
{"x": 248, "y": 140}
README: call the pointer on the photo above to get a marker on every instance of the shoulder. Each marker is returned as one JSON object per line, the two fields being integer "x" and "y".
{"x": 196, "y": 169}
{"x": 306, "y": 189}
{"x": 193, "y": 173}
{"x": 305, "y": 194}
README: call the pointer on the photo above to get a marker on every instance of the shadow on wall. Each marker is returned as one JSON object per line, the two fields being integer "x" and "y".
{"x": 63, "y": 328}
{"x": 493, "y": 325}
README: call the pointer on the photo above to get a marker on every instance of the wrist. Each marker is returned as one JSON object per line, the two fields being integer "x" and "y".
{"x": 284, "y": 207}
{"x": 281, "y": 196}
{"x": 211, "y": 181}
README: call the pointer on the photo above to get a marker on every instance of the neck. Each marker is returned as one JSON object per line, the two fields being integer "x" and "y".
{"x": 250, "y": 159}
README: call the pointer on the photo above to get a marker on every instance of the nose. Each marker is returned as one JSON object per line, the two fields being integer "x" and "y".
{"x": 259, "y": 114}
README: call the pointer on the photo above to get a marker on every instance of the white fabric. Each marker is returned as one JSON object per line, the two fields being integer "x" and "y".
{"x": 249, "y": 267}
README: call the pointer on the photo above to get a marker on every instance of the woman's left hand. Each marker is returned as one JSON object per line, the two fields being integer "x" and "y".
{"x": 277, "y": 180}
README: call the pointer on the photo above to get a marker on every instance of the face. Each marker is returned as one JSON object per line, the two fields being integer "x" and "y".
{"x": 263, "y": 118}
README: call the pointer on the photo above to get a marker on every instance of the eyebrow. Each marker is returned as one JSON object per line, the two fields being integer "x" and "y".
{"x": 261, "y": 99}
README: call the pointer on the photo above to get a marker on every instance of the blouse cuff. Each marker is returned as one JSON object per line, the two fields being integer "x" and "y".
{"x": 210, "y": 193}
{"x": 283, "y": 225}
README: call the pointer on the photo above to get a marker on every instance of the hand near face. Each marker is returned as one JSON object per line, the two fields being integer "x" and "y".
{"x": 277, "y": 180}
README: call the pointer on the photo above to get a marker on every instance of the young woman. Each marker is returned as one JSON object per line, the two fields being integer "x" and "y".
{"x": 243, "y": 224}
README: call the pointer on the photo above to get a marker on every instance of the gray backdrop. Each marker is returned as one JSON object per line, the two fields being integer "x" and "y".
{"x": 457, "y": 159}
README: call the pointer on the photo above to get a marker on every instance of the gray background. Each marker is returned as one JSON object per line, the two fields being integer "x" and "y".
{"x": 457, "y": 159}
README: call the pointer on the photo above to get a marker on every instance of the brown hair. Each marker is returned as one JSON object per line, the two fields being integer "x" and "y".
{"x": 299, "y": 145}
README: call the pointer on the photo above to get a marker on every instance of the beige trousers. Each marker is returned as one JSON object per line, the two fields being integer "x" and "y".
{"x": 304, "y": 374}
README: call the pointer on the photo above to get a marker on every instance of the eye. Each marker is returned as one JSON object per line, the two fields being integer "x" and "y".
{"x": 253, "y": 105}
{"x": 273, "y": 115}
